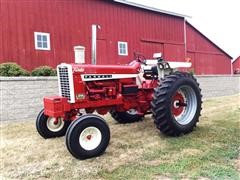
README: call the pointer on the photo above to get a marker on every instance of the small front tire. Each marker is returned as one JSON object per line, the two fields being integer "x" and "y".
{"x": 48, "y": 127}
{"x": 87, "y": 137}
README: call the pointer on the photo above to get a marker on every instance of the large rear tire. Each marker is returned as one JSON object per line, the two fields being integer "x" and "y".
{"x": 176, "y": 104}
{"x": 129, "y": 116}
{"x": 48, "y": 127}
{"x": 88, "y": 136}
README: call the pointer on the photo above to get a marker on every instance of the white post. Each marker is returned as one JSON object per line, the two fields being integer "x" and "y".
{"x": 94, "y": 43}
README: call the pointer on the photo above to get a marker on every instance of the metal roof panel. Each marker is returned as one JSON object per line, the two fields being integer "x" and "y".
{"x": 151, "y": 8}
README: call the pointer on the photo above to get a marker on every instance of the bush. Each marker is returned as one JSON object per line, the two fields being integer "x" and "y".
{"x": 12, "y": 69}
{"x": 44, "y": 71}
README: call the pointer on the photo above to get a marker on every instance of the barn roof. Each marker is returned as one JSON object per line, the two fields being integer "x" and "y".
{"x": 151, "y": 8}
{"x": 170, "y": 13}
{"x": 237, "y": 59}
{"x": 209, "y": 40}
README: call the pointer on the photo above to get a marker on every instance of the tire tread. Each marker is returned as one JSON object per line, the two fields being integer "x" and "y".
{"x": 160, "y": 103}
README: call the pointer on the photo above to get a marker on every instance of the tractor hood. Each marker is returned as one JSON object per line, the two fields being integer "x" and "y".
{"x": 132, "y": 68}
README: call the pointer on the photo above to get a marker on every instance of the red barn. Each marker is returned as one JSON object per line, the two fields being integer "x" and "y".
{"x": 206, "y": 57}
{"x": 35, "y": 33}
{"x": 236, "y": 66}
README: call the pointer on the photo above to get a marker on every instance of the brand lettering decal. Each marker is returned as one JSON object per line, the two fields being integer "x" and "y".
{"x": 79, "y": 69}
{"x": 97, "y": 76}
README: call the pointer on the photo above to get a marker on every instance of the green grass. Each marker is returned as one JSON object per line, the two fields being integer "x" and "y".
{"x": 136, "y": 151}
{"x": 212, "y": 149}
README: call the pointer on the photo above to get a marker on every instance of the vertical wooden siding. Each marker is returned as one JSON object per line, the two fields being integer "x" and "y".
{"x": 236, "y": 64}
{"x": 206, "y": 57}
{"x": 69, "y": 24}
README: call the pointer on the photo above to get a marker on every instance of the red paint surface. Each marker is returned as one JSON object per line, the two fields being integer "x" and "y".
{"x": 236, "y": 64}
{"x": 108, "y": 69}
{"x": 205, "y": 56}
{"x": 69, "y": 24}
{"x": 177, "y": 109}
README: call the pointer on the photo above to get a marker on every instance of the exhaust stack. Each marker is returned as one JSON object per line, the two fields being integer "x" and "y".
{"x": 94, "y": 43}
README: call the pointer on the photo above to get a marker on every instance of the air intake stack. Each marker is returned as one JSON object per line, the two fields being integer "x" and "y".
{"x": 94, "y": 43}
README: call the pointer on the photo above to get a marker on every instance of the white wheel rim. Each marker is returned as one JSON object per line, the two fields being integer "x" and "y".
{"x": 55, "y": 125}
{"x": 132, "y": 111}
{"x": 189, "y": 111}
{"x": 90, "y": 138}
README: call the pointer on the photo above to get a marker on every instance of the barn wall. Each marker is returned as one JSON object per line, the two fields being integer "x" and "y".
{"x": 236, "y": 64}
{"x": 69, "y": 24}
{"x": 206, "y": 57}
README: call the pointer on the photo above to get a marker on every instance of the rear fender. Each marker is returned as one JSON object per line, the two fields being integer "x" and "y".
{"x": 174, "y": 65}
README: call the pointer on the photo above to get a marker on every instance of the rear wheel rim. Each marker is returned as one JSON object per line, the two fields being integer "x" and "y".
{"x": 184, "y": 105}
{"x": 90, "y": 138}
{"x": 55, "y": 125}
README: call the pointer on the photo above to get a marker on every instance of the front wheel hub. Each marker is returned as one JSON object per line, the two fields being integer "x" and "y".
{"x": 90, "y": 138}
{"x": 55, "y": 124}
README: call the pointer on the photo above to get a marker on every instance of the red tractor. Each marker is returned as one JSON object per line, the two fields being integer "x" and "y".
{"x": 128, "y": 93}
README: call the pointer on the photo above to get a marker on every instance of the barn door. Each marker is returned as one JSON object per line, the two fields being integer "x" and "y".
{"x": 174, "y": 52}
{"x": 149, "y": 48}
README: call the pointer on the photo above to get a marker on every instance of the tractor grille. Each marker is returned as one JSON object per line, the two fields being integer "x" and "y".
{"x": 64, "y": 80}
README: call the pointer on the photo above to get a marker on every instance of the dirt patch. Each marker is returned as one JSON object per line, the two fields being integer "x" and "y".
{"x": 191, "y": 152}
{"x": 237, "y": 164}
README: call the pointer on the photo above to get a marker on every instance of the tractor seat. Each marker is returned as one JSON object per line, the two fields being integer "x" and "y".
{"x": 150, "y": 72}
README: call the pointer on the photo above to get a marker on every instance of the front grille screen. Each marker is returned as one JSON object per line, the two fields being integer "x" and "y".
{"x": 64, "y": 82}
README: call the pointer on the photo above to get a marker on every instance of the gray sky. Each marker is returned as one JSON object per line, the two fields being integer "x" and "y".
{"x": 219, "y": 20}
